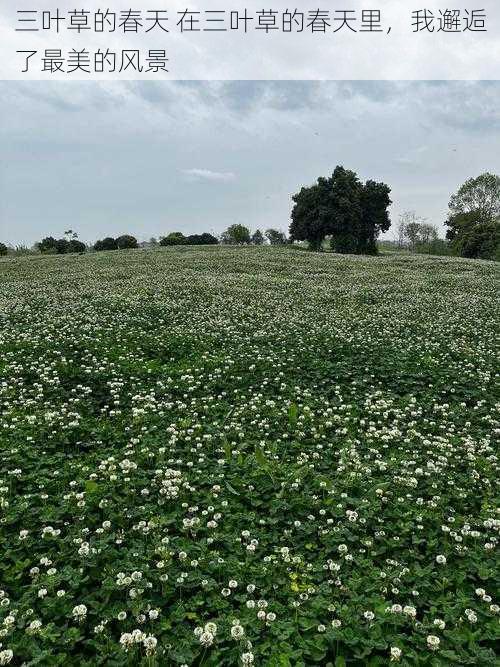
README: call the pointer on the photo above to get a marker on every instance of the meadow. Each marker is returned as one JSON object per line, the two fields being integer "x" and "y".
{"x": 248, "y": 456}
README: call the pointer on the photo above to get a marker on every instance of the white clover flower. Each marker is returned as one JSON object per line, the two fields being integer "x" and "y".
{"x": 395, "y": 653}
{"x": 150, "y": 642}
{"x": 409, "y": 610}
{"x": 471, "y": 615}
{"x": 441, "y": 560}
{"x": 433, "y": 642}
{"x": 237, "y": 632}
{"x": 211, "y": 627}
{"x": 369, "y": 615}
{"x": 79, "y": 612}
{"x": 34, "y": 626}
{"x": 206, "y": 639}
{"x": 126, "y": 640}
{"x": 247, "y": 659}
{"x": 6, "y": 656}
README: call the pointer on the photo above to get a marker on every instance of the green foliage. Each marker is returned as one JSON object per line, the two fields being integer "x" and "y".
{"x": 353, "y": 214}
{"x": 480, "y": 196}
{"x": 257, "y": 238}
{"x": 474, "y": 220}
{"x": 174, "y": 238}
{"x": 480, "y": 241}
{"x": 435, "y": 247}
{"x": 126, "y": 242}
{"x": 3, "y": 249}
{"x": 50, "y": 245}
{"x": 201, "y": 239}
{"x": 108, "y": 243}
{"x": 276, "y": 237}
{"x": 276, "y": 442}
{"x": 236, "y": 235}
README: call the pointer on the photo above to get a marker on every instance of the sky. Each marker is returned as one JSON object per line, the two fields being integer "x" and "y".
{"x": 148, "y": 158}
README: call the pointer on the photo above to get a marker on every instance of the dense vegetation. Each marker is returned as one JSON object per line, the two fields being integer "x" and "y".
{"x": 351, "y": 213}
{"x": 474, "y": 219}
{"x": 227, "y": 456}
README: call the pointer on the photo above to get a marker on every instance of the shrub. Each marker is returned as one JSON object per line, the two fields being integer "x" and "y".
{"x": 3, "y": 249}
{"x": 276, "y": 237}
{"x": 201, "y": 239}
{"x": 236, "y": 235}
{"x": 174, "y": 238}
{"x": 108, "y": 243}
{"x": 126, "y": 242}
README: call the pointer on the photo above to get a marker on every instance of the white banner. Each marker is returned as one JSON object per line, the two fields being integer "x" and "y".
{"x": 235, "y": 39}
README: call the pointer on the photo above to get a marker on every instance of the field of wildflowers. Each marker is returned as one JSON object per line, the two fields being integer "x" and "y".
{"x": 255, "y": 456}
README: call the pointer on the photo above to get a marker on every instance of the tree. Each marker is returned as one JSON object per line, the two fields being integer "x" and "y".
{"x": 480, "y": 241}
{"x": 340, "y": 206}
{"x": 108, "y": 243}
{"x": 375, "y": 219}
{"x": 276, "y": 237}
{"x": 413, "y": 231}
{"x": 428, "y": 234}
{"x": 201, "y": 239}
{"x": 174, "y": 238}
{"x": 48, "y": 244}
{"x": 257, "y": 238}
{"x": 479, "y": 195}
{"x": 236, "y": 235}
{"x": 345, "y": 211}
{"x": 474, "y": 218}
{"x": 126, "y": 242}
{"x": 310, "y": 214}
{"x": 76, "y": 246}
{"x": 3, "y": 249}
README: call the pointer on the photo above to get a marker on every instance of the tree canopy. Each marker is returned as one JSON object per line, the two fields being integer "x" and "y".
{"x": 276, "y": 236}
{"x": 236, "y": 235}
{"x": 257, "y": 237}
{"x": 480, "y": 195}
{"x": 126, "y": 241}
{"x": 174, "y": 238}
{"x": 474, "y": 218}
{"x": 108, "y": 243}
{"x": 353, "y": 214}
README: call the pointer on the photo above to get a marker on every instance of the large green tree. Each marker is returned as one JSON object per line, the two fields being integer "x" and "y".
{"x": 352, "y": 213}
{"x": 236, "y": 235}
{"x": 474, "y": 218}
{"x": 479, "y": 195}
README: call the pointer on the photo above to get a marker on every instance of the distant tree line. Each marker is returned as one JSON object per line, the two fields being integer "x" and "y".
{"x": 347, "y": 213}
{"x": 473, "y": 223}
{"x": 62, "y": 246}
{"x": 124, "y": 242}
{"x": 178, "y": 238}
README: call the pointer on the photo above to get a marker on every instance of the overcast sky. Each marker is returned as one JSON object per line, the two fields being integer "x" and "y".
{"x": 148, "y": 158}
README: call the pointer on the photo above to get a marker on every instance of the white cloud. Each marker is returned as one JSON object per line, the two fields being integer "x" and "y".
{"x": 209, "y": 175}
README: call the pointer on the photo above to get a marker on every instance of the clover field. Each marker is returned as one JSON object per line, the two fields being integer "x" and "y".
{"x": 254, "y": 456}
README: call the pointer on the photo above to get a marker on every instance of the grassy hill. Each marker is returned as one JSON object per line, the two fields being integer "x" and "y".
{"x": 297, "y": 449}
